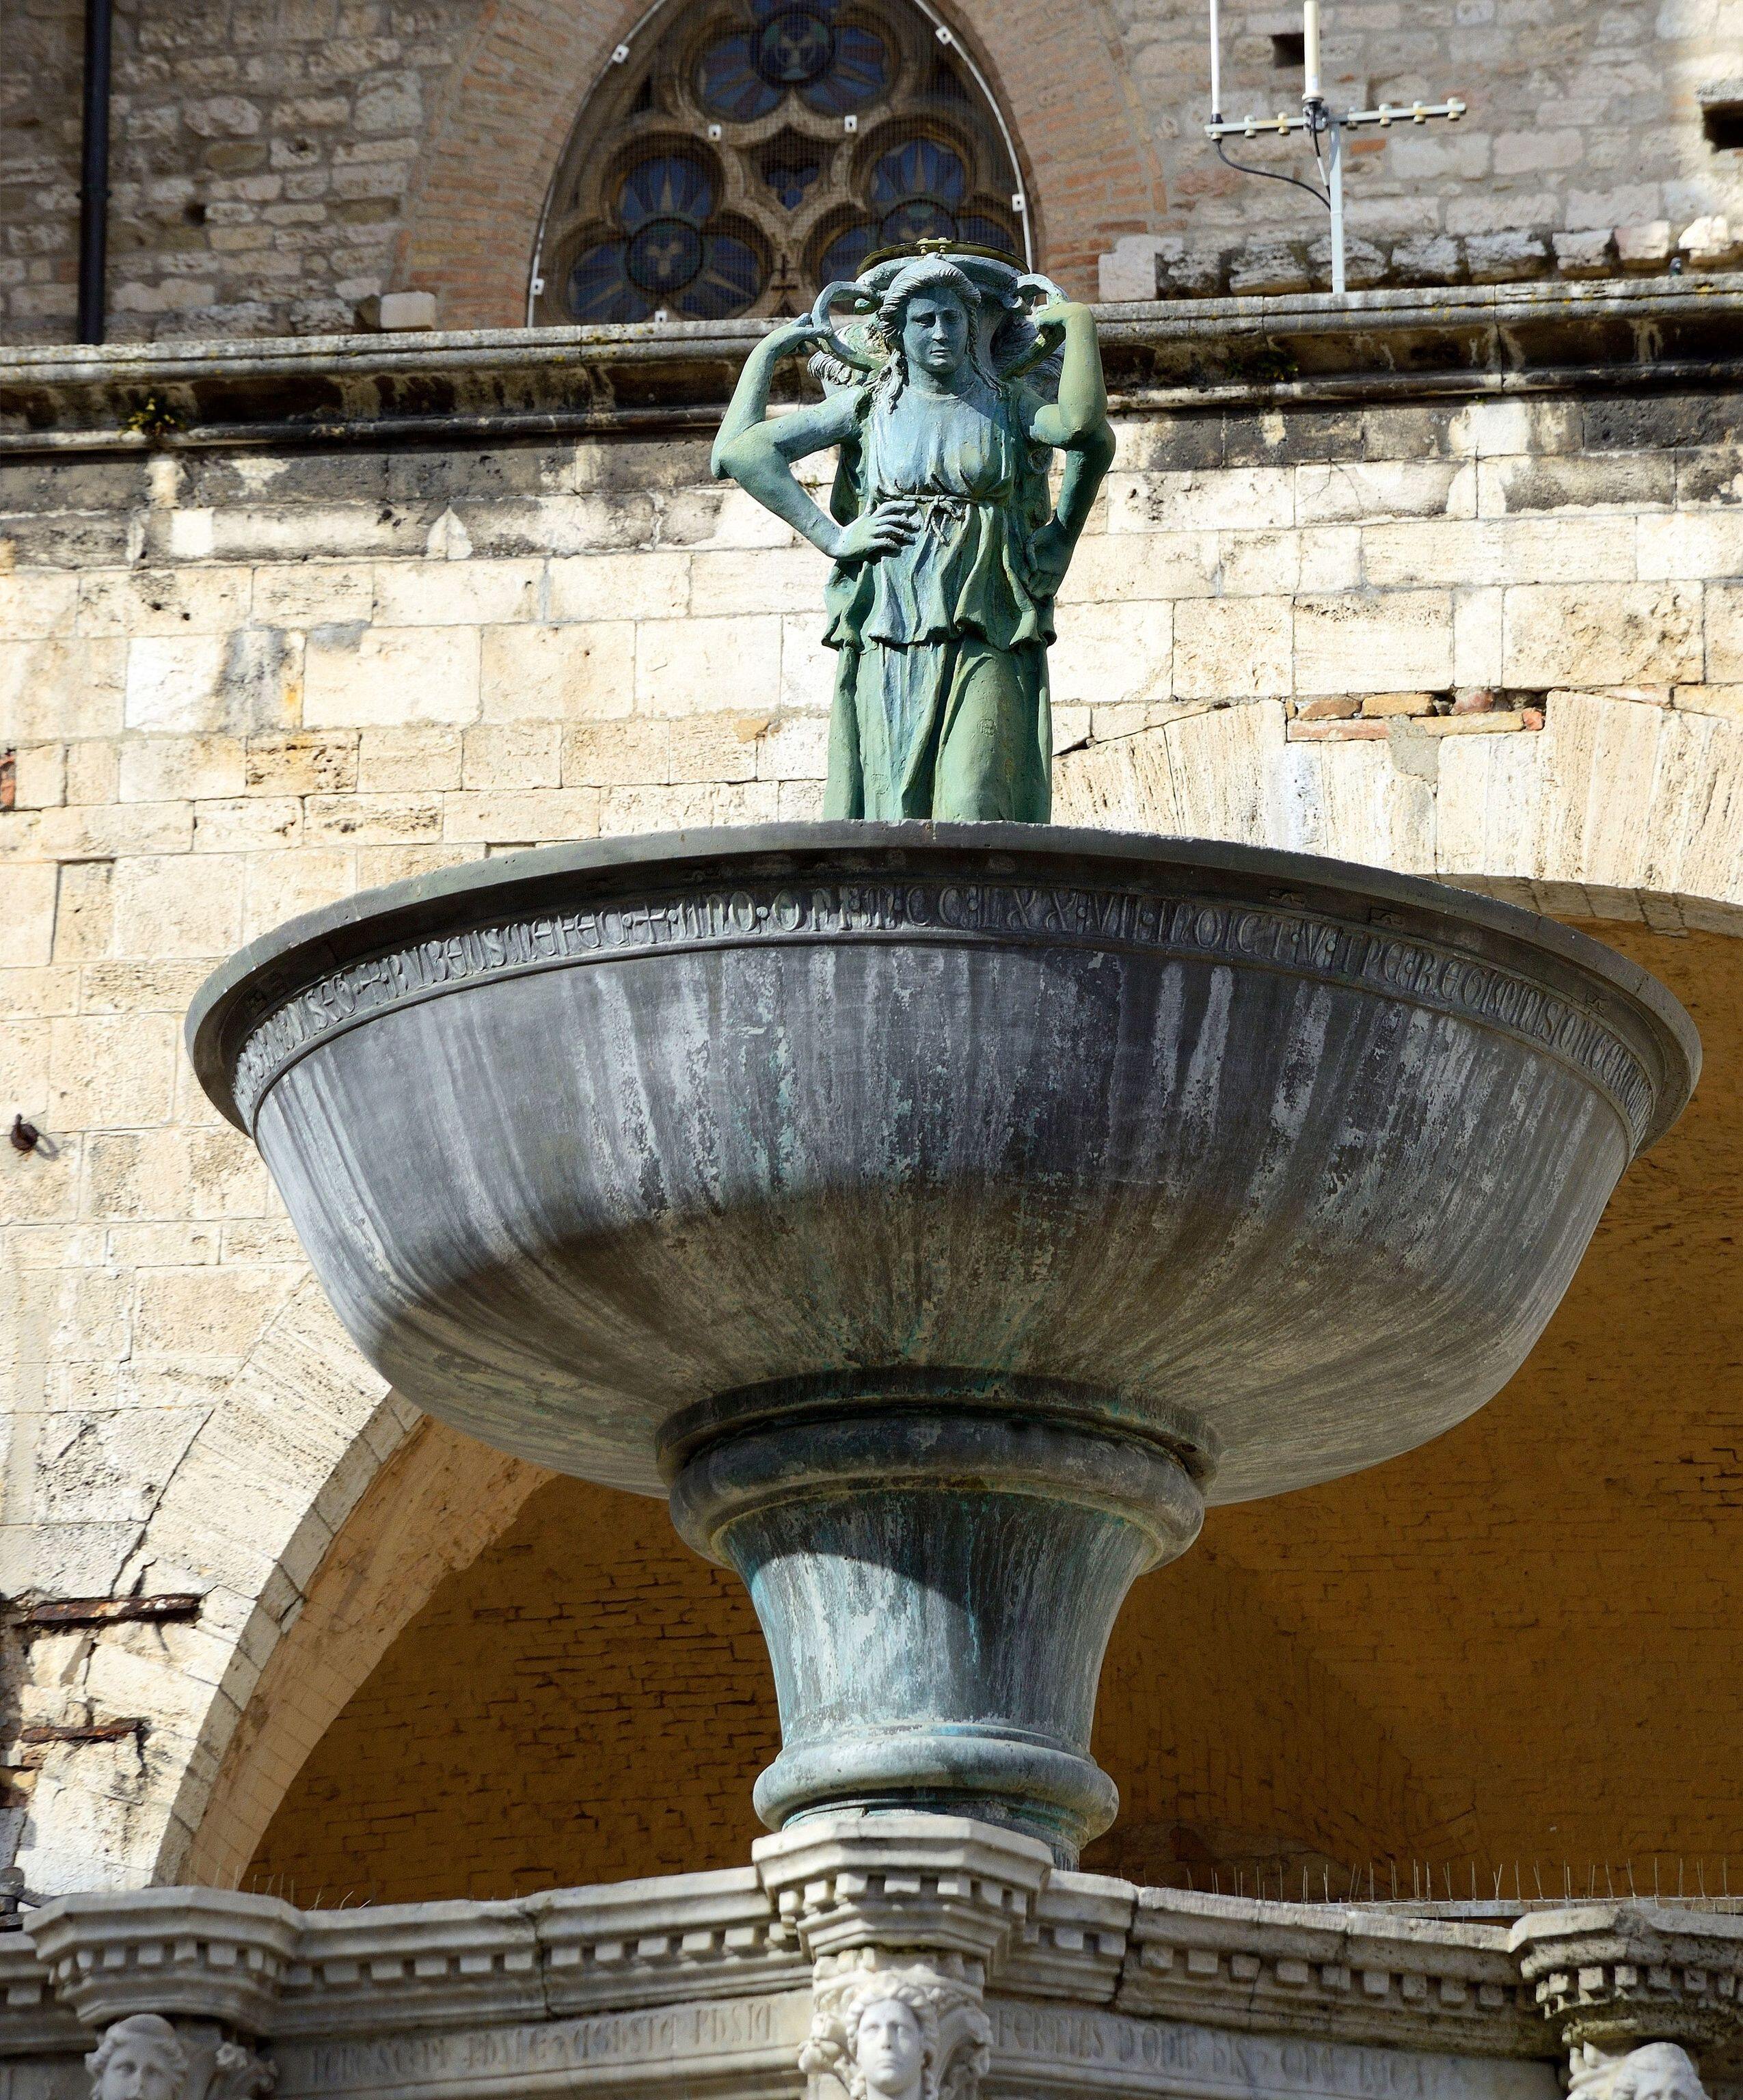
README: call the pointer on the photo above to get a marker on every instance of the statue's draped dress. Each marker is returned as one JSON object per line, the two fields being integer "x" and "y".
{"x": 941, "y": 695}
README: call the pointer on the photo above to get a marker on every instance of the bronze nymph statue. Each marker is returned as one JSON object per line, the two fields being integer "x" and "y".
{"x": 947, "y": 547}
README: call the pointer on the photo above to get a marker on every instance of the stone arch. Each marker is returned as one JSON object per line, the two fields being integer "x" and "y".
{"x": 472, "y": 218}
{"x": 246, "y": 1515}
{"x": 435, "y": 1504}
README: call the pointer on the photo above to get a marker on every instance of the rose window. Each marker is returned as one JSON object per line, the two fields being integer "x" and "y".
{"x": 741, "y": 154}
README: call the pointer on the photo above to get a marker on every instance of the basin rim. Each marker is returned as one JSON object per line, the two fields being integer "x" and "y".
{"x": 274, "y": 966}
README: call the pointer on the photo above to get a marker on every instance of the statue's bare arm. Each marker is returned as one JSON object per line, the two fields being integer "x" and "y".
{"x": 1077, "y": 424}
{"x": 1078, "y": 420}
{"x": 758, "y": 454}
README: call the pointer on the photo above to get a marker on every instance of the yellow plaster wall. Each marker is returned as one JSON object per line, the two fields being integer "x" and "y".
{"x": 1515, "y": 1645}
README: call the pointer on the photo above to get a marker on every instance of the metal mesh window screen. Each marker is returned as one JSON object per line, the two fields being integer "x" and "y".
{"x": 740, "y": 154}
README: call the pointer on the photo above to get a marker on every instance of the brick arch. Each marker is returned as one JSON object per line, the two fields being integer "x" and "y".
{"x": 473, "y": 214}
{"x": 438, "y": 1502}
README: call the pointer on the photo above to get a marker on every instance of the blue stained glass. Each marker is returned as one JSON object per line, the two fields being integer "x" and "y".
{"x": 729, "y": 84}
{"x": 725, "y": 277}
{"x": 728, "y": 282}
{"x": 842, "y": 257}
{"x": 790, "y": 180}
{"x": 920, "y": 168}
{"x": 663, "y": 257}
{"x": 794, "y": 46}
{"x": 671, "y": 185}
{"x": 986, "y": 233}
{"x": 599, "y": 289}
{"x": 919, "y": 219}
{"x": 860, "y": 73}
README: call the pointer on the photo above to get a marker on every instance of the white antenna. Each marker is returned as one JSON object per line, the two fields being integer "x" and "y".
{"x": 1318, "y": 119}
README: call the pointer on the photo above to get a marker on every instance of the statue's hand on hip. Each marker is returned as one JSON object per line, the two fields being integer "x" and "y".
{"x": 884, "y": 530}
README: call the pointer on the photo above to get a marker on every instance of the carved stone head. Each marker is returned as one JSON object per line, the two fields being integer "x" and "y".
{"x": 139, "y": 2058}
{"x": 892, "y": 2053}
{"x": 898, "y": 2033}
{"x": 1660, "y": 2071}
{"x": 1656, "y": 2071}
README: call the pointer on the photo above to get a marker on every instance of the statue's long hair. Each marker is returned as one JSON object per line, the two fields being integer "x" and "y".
{"x": 998, "y": 336}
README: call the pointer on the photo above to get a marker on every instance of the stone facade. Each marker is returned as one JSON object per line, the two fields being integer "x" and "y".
{"x": 1586, "y": 151}
{"x": 276, "y": 164}
{"x": 283, "y": 623}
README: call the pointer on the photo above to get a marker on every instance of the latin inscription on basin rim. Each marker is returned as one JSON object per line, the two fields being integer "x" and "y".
{"x": 1414, "y": 970}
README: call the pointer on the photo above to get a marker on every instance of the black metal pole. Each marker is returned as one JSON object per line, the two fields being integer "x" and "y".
{"x": 94, "y": 172}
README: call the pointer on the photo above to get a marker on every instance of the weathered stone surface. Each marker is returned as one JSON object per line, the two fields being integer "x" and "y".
{"x": 1616, "y": 1975}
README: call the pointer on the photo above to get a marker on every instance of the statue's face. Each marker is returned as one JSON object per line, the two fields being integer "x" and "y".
{"x": 1670, "y": 2082}
{"x": 140, "y": 2071}
{"x": 935, "y": 333}
{"x": 891, "y": 2050}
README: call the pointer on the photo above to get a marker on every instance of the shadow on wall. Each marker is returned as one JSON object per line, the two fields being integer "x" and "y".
{"x": 588, "y": 1701}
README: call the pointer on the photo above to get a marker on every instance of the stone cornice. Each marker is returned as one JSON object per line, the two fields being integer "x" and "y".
{"x": 942, "y": 1883}
{"x": 689, "y": 1936}
{"x": 32, "y": 2017}
{"x": 203, "y": 1953}
{"x": 582, "y": 1966}
{"x": 497, "y": 384}
{"x": 1346, "y": 1973}
{"x": 1617, "y": 1975}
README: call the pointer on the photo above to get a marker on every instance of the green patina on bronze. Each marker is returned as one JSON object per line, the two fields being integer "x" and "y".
{"x": 947, "y": 547}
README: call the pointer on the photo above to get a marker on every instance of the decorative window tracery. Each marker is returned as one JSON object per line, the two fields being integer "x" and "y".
{"x": 743, "y": 154}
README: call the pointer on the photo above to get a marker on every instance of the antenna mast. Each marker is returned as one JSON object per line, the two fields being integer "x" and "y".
{"x": 1316, "y": 121}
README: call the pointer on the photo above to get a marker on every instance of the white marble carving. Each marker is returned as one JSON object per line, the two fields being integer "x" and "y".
{"x": 886, "y": 2030}
{"x": 875, "y": 1957}
{"x": 238, "y": 2073}
{"x": 1657, "y": 2071}
{"x": 140, "y": 2058}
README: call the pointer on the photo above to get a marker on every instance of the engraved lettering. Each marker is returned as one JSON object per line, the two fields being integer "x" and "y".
{"x": 1411, "y": 969}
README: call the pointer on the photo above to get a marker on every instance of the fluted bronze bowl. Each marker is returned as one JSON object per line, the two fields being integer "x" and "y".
{"x": 941, "y": 1214}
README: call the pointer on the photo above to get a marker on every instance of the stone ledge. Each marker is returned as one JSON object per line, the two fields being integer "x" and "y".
{"x": 1345, "y": 1974}
{"x": 491, "y": 385}
{"x": 1341, "y": 1972}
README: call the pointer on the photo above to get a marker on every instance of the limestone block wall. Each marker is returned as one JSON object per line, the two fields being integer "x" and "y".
{"x": 1498, "y": 639}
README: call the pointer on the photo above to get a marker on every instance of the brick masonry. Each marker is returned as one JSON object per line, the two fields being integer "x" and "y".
{"x": 238, "y": 682}
{"x": 276, "y": 164}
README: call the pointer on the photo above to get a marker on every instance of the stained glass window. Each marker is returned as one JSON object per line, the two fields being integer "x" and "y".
{"x": 745, "y": 152}
{"x": 664, "y": 250}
